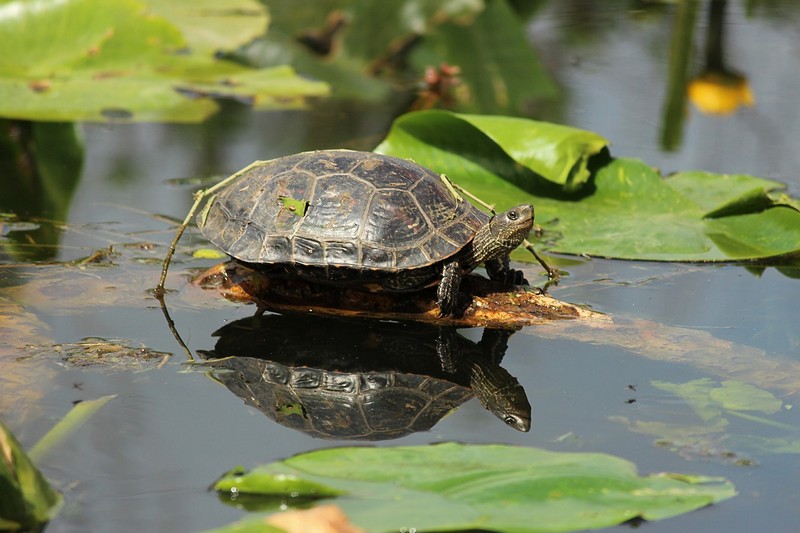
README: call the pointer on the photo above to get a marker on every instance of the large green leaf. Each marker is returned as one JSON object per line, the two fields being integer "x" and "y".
{"x": 625, "y": 209}
{"x": 98, "y": 60}
{"x": 476, "y": 148}
{"x": 27, "y": 501}
{"x": 489, "y": 487}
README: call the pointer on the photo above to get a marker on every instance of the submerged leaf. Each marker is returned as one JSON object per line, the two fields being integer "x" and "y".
{"x": 738, "y": 396}
{"x": 713, "y": 402}
{"x": 495, "y": 487}
{"x": 708, "y": 399}
{"x": 77, "y": 416}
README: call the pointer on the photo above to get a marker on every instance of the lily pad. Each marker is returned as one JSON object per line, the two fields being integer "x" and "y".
{"x": 486, "y": 150}
{"x": 100, "y": 60}
{"x": 590, "y": 204}
{"x": 488, "y": 487}
{"x": 210, "y": 26}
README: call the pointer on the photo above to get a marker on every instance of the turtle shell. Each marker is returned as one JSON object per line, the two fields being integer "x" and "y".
{"x": 363, "y": 211}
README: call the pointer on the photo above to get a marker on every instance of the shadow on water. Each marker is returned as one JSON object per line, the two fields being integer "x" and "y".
{"x": 355, "y": 380}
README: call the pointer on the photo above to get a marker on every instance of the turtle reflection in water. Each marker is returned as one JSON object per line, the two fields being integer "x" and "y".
{"x": 339, "y": 379}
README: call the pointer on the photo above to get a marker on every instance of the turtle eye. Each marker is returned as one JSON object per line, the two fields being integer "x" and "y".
{"x": 513, "y": 215}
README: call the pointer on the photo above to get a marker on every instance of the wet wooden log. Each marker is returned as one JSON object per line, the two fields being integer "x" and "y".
{"x": 482, "y": 302}
{"x": 485, "y": 303}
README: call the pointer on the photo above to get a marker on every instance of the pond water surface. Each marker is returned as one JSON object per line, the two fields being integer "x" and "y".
{"x": 145, "y": 461}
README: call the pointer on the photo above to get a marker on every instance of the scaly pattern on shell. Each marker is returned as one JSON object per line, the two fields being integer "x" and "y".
{"x": 365, "y": 211}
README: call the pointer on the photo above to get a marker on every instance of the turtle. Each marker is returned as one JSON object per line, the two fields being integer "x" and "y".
{"x": 334, "y": 378}
{"x": 370, "y": 220}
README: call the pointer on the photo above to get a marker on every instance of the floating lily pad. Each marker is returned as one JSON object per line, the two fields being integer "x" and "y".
{"x": 590, "y": 204}
{"x": 486, "y": 151}
{"x": 209, "y": 25}
{"x": 101, "y": 60}
{"x": 495, "y": 487}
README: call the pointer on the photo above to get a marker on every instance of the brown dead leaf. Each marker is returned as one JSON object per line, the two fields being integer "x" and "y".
{"x": 323, "y": 519}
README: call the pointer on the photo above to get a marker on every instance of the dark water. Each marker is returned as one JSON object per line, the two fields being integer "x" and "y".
{"x": 144, "y": 462}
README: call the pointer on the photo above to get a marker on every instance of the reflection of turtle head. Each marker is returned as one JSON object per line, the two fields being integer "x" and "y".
{"x": 511, "y": 406}
{"x": 497, "y": 390}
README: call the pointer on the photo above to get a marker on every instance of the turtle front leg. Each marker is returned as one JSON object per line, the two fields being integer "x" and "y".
{"x": 499, "y": 270}
{"x": 447, "y": 292}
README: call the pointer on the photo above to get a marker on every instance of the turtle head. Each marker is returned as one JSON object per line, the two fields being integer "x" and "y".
{"x": 503, "y": 233}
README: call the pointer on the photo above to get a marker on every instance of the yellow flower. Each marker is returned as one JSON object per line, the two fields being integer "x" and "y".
{"x": 720, "y": 93}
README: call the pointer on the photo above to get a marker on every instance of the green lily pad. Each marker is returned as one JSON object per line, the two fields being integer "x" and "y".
{"x": 210, "y": 26}
{"x": 615, "y": 208}
{"x": 635, "y": 214}
{"x": 485, "y": 150}
{"x": 488, "y": 487}
{"x": 101, "y": 60}
{"x": 241, "y": 481}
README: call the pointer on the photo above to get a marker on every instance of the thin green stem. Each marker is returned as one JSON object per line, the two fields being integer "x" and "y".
{"x": 199, "y": 196}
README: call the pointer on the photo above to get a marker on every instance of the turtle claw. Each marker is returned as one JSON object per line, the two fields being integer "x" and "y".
{"x": 447, "y": 307}
{"x": 500, "y": 272}
{"x": 516, "y": 277}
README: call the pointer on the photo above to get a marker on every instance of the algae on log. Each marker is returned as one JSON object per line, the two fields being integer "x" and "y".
{"x": 489, "y": 304}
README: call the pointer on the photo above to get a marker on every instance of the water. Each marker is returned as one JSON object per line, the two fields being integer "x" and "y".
{"x": 144, "y": 462}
